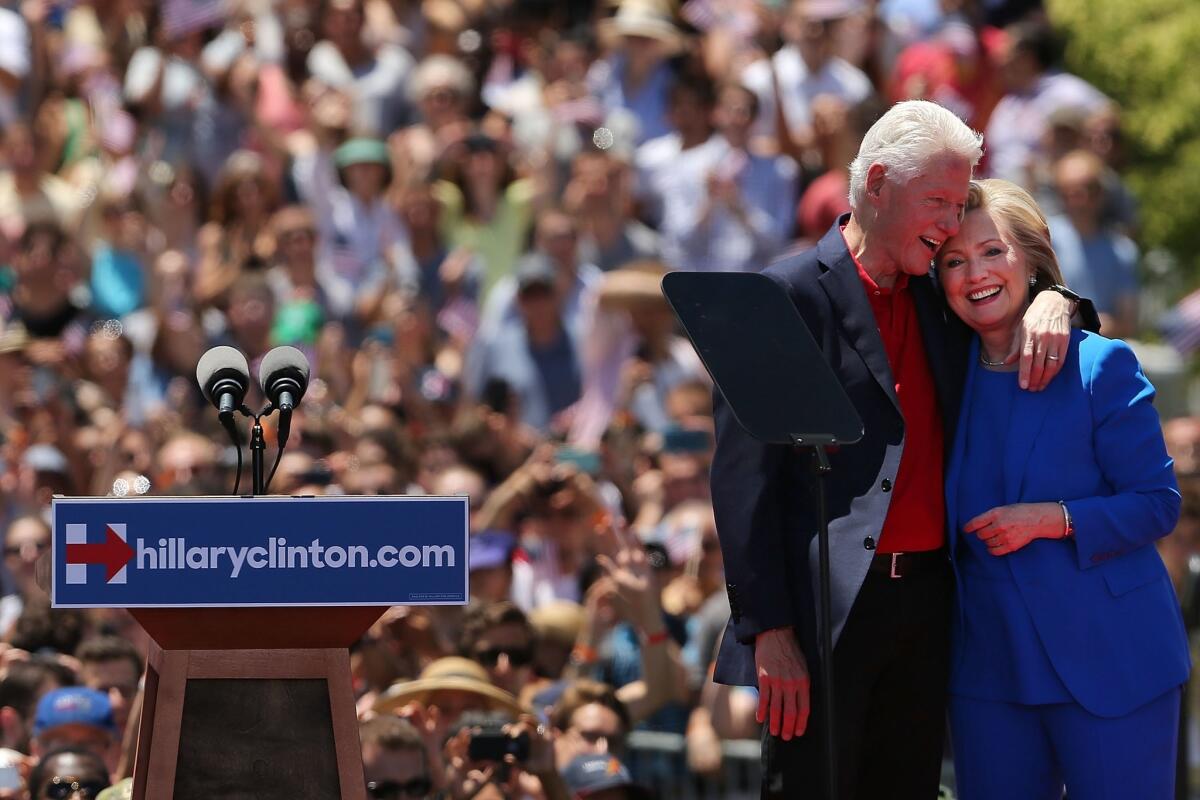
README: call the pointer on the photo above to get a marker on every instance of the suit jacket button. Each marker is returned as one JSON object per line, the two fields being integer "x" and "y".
{"x": 869, "y": 543}
{"x": 886, "y": 485}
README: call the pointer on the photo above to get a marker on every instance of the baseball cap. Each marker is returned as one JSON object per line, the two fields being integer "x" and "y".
{"x": 596, "y": 772}
{"x": 491, "y": 548}
{"x": 74, "y": 705}
{"x": 45, "y": 458}
{"x": 535, "y": 269}
{"x": 361, "y": 151}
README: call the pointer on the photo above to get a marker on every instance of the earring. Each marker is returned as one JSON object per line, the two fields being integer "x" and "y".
{"x": 1033, "y": 280}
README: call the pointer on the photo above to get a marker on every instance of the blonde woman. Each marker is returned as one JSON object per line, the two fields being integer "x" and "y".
{"x": 1068, "y": 647}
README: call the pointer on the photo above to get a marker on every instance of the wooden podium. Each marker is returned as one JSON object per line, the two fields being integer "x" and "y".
{"x": 252, "y": 605}
{"x": 250, "y": 704}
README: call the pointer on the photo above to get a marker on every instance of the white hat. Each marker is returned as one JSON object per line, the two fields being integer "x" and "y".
{"x": 642, "y": 18}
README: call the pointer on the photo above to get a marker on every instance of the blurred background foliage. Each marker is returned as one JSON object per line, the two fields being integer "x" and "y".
{"x": 1145, "y": 54}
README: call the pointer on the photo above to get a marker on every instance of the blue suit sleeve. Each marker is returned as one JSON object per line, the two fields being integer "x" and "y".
{"x": 749, "y": 498}
{"x": 1132, "y": 456}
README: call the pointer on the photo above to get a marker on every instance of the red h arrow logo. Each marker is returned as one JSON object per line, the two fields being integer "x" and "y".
{"x": 114, "y": 553}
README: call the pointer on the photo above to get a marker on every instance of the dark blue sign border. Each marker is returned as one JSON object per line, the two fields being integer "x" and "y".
{"x": 98, "y": 552}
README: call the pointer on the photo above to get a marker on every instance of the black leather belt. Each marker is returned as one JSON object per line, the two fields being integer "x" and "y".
{"x": 903, "y": 565}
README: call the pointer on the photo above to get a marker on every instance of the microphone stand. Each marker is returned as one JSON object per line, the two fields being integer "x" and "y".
{"x": 258, "y": 447}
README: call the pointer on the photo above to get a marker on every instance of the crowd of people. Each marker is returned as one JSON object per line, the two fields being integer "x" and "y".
{"x": 461, "y": 211}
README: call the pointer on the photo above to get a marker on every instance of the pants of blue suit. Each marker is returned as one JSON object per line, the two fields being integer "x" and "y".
{"x": 1005, "y": 751}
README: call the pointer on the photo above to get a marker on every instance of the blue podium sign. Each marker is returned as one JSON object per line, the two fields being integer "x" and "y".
{"x": 167, "y": 552}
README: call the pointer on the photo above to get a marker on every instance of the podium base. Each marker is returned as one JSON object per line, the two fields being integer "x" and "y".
{"x": 240, "y": 723}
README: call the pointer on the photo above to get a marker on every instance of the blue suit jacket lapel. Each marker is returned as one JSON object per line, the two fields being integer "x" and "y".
{"x": 841, "y": 283}
{"x": 1028, "y": 417}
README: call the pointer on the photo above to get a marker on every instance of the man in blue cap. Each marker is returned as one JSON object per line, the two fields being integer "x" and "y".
{"x": 76, "y": 717}
{"x": 601, "y": 777}
{"x": 491, "y": 565}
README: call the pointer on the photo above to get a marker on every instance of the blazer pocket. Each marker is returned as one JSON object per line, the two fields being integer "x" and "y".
{"x": 1132, "y": 570}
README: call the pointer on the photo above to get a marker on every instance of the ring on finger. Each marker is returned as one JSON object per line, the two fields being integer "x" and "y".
{"x": 1052, "y": 356}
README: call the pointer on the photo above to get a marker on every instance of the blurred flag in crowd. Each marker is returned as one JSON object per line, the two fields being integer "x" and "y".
{"x": 735, "y": 17}
{"x": 1181, "y": 324}
{"x": 181, "y": 17}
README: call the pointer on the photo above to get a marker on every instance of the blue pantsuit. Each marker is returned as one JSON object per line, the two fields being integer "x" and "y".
{"x": 1011, "y": 751}
{"x": 1068, "y": 654}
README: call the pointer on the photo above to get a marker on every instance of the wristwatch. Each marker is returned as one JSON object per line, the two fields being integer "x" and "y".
{"x": 1083, "y": 310}
{"x": 1067, "y": 293}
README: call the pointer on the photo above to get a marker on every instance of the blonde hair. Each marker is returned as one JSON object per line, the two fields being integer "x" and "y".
{"x": 1017, "y": 214}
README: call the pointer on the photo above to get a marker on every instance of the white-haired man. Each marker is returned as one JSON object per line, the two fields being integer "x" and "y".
{"x": 879, "y": 318}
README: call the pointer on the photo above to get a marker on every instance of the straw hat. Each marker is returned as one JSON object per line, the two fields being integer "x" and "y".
{"x": 643, "y": 18}
{"x": 558, "y": 620}
{"x": 448, "y": 674}
{"x": 13, "y": 338}
{"x": 635, "y": 284}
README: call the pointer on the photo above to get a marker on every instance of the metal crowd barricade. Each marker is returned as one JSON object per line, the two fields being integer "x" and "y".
{"x": 659, "y": 762}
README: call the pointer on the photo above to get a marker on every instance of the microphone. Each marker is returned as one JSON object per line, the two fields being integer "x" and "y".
{"x": 224, "y": 377}
{"x": 283, "y": 375}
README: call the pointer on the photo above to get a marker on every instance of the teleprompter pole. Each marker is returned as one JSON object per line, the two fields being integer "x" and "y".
{"x": 821, "y": 469}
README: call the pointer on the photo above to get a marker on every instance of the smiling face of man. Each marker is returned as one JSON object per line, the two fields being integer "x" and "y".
{"x": 914, "y": 218}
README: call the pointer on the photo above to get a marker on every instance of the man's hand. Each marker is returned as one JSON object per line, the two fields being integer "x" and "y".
{"x": 1041, "y": 340}
{"x": 1006, "y": 529}
{"x": 783, "y": 683}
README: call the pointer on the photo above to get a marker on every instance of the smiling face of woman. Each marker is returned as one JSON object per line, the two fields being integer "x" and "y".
{"x": 985, "y": 274}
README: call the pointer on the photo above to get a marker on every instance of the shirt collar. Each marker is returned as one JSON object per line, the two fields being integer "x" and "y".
{"x": 873, "y": 288}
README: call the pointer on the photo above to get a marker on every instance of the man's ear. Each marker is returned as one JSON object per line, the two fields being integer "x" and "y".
{"x": 876, "y": 179}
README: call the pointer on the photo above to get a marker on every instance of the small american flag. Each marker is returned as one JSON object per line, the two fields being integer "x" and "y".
{"x": 586, "y": 110}
{"x": 345, "y": 259}
{"x": 181, "y": 17}
{"x": 1181, "y": 325}
{"x": 735, "y": 16}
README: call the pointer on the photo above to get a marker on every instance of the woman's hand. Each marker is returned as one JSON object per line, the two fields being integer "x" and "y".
{"x": 1006, "y": 529}
{"x": 1041, "y": 340}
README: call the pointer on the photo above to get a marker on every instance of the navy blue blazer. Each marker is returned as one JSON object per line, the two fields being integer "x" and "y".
{"x": 761, "y": 494}
{"x": 1102, "y": 603}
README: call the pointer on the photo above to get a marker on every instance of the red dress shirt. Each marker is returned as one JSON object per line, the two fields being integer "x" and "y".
{"x": 916, "y": 517}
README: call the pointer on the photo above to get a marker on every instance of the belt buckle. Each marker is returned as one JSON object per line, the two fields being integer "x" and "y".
{"x": 895, "y": 559}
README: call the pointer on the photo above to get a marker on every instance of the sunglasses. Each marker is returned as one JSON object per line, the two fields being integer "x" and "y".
{"x": 15, "y": 549}
{"x": 388, "y": 790}
{"x": 61, "y": 788}
{"x": 517, "y": 656}
{"x": 594, "y": 737}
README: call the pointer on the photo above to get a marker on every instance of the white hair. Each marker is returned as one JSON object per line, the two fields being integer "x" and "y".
{"x": 441, "y": 70}
{"x": 906, "y": 138}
